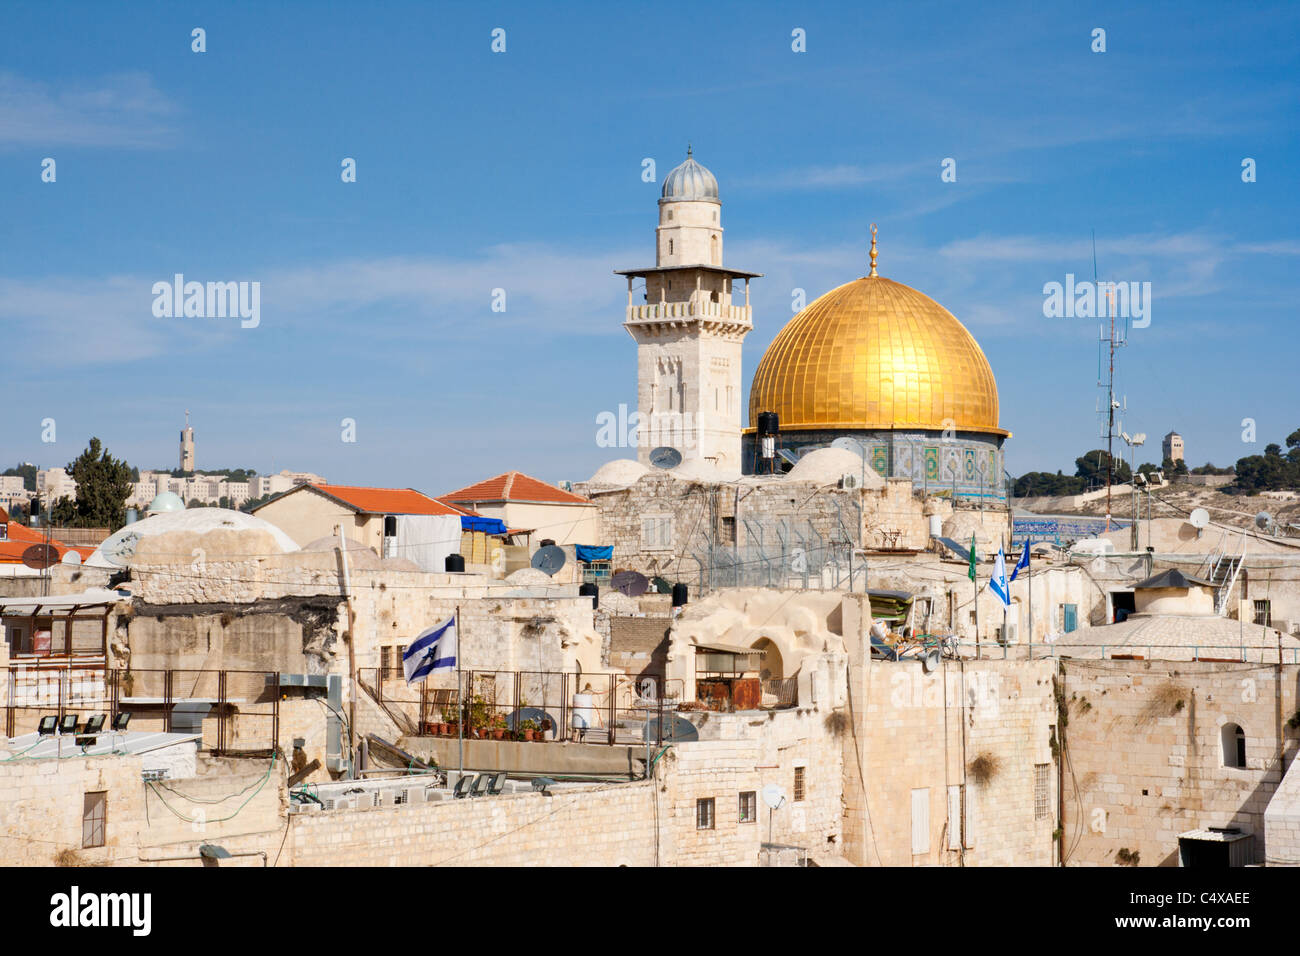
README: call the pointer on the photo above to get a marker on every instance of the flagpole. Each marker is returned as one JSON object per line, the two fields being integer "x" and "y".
{"x": 460, "y": 702}
{"x": 975, "y": 582}
{"x": 1029, "y": 583}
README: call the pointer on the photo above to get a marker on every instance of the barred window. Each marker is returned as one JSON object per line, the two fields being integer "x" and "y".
{"x": 1263, "y": 613}
{"x": 1042, "y": 802}
{"x": 748, "y": 806}
{"x": 704, "y": 813}
{"x": 798, "y": 784}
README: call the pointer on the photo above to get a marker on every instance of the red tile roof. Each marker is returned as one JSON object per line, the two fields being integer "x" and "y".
{"x": 21, "y": 538}
{"x": 390, "y": 501}
{"x": 514, "y": 486}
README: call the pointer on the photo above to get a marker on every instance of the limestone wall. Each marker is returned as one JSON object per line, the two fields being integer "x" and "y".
{"x": 42, "y": 802}
{"x": 1146, "y": 753}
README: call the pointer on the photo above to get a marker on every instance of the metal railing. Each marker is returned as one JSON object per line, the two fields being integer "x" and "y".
{"x": 1216, "y": 653}
{"x": 532, "y": 705}
{"x": 242, "y": 718}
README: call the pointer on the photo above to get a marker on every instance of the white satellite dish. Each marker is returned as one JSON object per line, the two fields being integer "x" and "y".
{"x": 773, "y": 796}
{"x": 71, "y": 557}
{"x": 1199, "y": 519}
{"x": 1264, "y": 521}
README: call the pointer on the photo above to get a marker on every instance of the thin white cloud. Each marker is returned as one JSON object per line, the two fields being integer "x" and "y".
{"x": 118, "y": 110}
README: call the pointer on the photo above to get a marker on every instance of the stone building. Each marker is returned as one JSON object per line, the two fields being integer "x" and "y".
{"x": 688, "y": 329}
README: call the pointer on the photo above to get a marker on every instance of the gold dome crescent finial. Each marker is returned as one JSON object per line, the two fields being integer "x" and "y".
{"x": 872, "y": 273}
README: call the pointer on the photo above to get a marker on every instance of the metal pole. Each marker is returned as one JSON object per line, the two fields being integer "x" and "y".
{"x": 460, "y": 702}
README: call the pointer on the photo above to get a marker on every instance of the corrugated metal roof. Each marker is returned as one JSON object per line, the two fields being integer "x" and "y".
{"x": 36, "y": 747}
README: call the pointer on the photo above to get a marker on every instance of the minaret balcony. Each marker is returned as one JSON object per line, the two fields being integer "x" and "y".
{"x": 688, "y": 311}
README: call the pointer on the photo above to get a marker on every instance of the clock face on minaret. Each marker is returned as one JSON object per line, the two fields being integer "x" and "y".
{"x": 689, "y": 328}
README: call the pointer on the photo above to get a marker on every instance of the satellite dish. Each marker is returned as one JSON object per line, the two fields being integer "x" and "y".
{"x": 631, "y": 583}
{"x": 674, "y": 729}
{"x": 848, "y": 444}
{"x": 665, "y": 457}
{"x": 1263, "y": 521}
{"x": 71, "y": 557}
{"x": 1199, "y": 519}
{"x": 120, "y": 550}
{"x": 549, "y": 559}
{"x": 40, "y": 556}
{"x": 773, "y": 796}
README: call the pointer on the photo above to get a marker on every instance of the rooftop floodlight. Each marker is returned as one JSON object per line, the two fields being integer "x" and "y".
{"x": 121, "y": 720}
{"x": 211, "y": 851}
{"x": 47, "y": 725}
{"x": 68, "y": 725}
{"x": 94, "y": 724}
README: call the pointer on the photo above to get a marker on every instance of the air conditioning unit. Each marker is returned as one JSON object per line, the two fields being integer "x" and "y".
{"x": 849, "y": 482}
{"x": 413, "y": 795}
{"x": 1006, "y": 633}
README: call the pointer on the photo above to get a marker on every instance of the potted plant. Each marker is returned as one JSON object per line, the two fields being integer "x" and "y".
{"x": 542, "y": 730}
{"x": 528, "y": 730}
{"x": 478, "y": 716}
{"x": 498, "y": 728}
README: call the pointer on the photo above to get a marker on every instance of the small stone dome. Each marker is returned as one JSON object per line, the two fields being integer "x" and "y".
{"x": 165, "y": 502}
{"x": 690, "y": 182}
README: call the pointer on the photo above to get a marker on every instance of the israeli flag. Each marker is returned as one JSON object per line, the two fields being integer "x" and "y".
{"x": 434, "y": 648}
{"x": 998, "y": 582}
{"x": 1022, "y": 563}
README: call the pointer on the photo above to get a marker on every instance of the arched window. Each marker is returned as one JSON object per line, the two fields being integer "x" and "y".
{"x": 670, "y": 215}
{"x": 1234, "y": 746}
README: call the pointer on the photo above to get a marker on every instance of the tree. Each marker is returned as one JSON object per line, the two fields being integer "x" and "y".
{"x": 1034, "y": 483}
{"x": 1209, "y": 469}
{"x": 28, "y": 472}
{"x": 1092, "y": 467}
{"x": 1173, "y": 469}
{"x": 103, "y": 485}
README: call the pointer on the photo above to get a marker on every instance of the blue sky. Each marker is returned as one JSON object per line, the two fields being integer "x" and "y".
{"x": 522, "y": 171}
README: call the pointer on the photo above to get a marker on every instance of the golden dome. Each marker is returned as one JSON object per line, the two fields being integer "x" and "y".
{"x": 876, "y": 354}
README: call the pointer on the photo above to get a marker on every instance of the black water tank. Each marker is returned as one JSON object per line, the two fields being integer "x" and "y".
{"x": 547, "y": 542}
{"x": 594, "y": 591}
{"x": 769, "y": 423}
{"x": 455, "y": 562}
{"x": 679, "y": 594}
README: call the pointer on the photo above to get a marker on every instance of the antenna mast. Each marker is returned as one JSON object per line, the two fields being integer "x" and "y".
{"x": 1110, "y": 342}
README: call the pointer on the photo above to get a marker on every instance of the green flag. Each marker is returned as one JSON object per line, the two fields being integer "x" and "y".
{"x": 971, "y": 573}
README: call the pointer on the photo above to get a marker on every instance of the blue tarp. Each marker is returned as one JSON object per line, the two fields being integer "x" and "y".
{"x": 486, "y": 525}
{"x": 594, "y": 552}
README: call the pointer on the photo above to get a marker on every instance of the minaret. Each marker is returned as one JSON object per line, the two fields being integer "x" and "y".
{"x": 187, "y": 444}
{"x": 687, "y": 329}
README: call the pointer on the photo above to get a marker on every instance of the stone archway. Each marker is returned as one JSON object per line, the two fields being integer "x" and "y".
{"x": 773, "y": 663}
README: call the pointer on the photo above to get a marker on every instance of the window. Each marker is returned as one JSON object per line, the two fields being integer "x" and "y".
{"x": 670, "y": 215}
{"x": 670, "y": 247}
{"x": 1042, "y": 803}
{"x": 1234, "y": 746}
{"x": 954, "y": 816}
{"x": 921, "y": 820}
{"x": 704, "y": 813}
{"x": 385, "y": 662}
{"x": 1069, "y": 617}
{"x": 656, "y": 532}
{"x": 1263, "y": 613}
{"x": 748, "y": 806}
{"x": 799, "y": 783}
{"x": 728, "y": 536}
{"x": 94, "y": 817}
